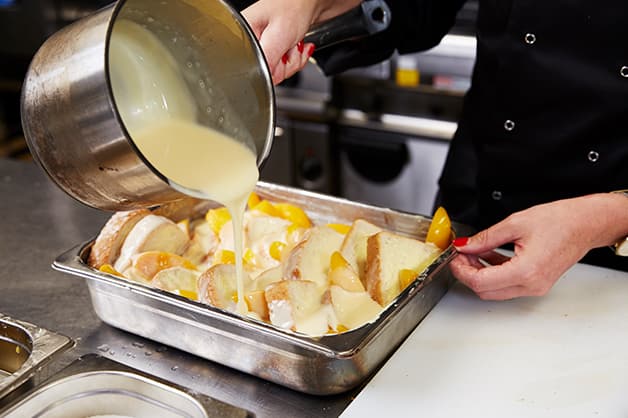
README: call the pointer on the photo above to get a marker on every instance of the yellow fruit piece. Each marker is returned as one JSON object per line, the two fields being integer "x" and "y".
{"x": 406, "y": 276}
{"x": 108, "y": 268}
{"x": 267, "y": 208}
{"x": 217, "y": 218}
{"x": 292, "y": 229}
{"x": 248, "y": 257}
{"x": 294, "y": 214}
{"x": 337, "y": 260}
{"x": 339, "y": 328}
{"x": 253, "y": 200}
{"x": 340, "y": 228}
{"x": 225, "y": 257}
{"x": 276, "y": 250}
{"x": 188, "y": 294}
{"x": 234, "y": 297}
{"x": 439, "y": 232}
{"x": 342, "y": 274}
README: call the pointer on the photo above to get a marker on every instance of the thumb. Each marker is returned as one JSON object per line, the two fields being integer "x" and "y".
{"x": 486, "y": 240}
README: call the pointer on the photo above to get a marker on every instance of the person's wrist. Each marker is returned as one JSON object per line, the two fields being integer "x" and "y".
{"x": 621, "y": 246}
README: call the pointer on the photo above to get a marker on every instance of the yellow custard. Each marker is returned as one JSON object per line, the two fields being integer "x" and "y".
{"x": 203, "y": 162}
{"x": 159, "y": 112}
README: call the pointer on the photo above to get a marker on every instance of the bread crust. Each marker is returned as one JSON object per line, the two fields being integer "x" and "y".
{"x": 373, "y": 269}
{"x": 354, "y": 246}
{"x": 217, "y": 285}
{"x": 109, "y": 241}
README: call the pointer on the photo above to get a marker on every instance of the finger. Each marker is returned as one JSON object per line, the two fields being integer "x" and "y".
{"x": 465, "y": 262}
{"x": 504, "y": 232}
{"x": 511, "y": 292}
{"x": 492, "y": 278}
{"x": 494, "y": 258}
{"x": 279, "y": 74}
{"x": 293, "y": 60}
{"x": 308, "y": 50}
{"x": 468, "y": 260}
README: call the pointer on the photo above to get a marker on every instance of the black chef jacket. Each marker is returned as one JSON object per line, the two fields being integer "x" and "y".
{"x": 546, "y": 116}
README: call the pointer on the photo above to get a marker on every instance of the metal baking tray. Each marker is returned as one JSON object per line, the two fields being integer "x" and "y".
{"x": 94, "y": 386}
{"x": 323, "y": 365}
{"x": 24, "y": 349}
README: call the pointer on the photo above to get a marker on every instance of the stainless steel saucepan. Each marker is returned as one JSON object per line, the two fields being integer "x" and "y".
{"x": 76, "y": 112}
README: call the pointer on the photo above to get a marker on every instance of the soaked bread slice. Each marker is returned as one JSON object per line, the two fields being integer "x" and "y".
{"x": 353, "y": 309}
{"x": 151, "y": 233}
{"x": 294, "y": 304}
{"x": 354, "y": 245}
{"x": 310, "y": 259}
{"x": 217, "y": 286}
{"x": 387, "y": 255}
{"x": 107, "y": 245}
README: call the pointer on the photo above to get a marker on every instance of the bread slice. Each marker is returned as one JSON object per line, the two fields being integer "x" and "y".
{"x": 152, "y": 232}
{"x": 106, "y": 248}
{"x": 267, "y": 277}
{"x": 218, "y": 287}
{"x": 353, "y": 309}
{"x": 297, "y": 305}
{"x": 256, "y": 303}
{"x": 353, "y": 247}
{"x": 261, "y": 232}
{"x": 258, "y": 227}
{"x": 310, "y": 259}
{"x": 203, "y": 243}
{"x": 180, "y": 280}
{"x": 387, "y": 254}
{"x": 150, "y": 263}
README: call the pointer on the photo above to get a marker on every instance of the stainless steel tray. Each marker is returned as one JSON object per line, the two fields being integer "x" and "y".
{"x": 24, "y": 349}
{"x": 95, "y": 386}
{"x": 324, "y": 365}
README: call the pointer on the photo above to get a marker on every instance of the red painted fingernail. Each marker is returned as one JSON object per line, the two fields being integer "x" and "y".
{"x": 310, "y": 50}
{"x": 461, "y": 242}
{"x": 300, "y": 46}
{"x": 284, "y": 59}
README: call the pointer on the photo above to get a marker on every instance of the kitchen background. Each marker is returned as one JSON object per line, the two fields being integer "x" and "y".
{"x": 377, "y": 135}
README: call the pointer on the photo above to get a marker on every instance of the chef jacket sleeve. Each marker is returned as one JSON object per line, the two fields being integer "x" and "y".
{"x": 416, "y": 25}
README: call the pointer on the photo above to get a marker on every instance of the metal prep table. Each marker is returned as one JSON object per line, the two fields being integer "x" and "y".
{"x": 39, "y": 222}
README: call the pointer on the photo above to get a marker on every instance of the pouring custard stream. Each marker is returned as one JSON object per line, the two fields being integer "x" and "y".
{"x": 160, "y": 115}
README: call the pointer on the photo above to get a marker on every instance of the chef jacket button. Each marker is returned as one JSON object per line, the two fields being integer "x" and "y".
{"x": 509, "y": 125}
{"x": 624, "y": 71}
{"x": 530, "y": 38}
{"x": 496, "y": 195}
{"x": 593, "y": 156}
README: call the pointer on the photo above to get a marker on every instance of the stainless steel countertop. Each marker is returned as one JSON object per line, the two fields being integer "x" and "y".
{"x": 37, "y": 223}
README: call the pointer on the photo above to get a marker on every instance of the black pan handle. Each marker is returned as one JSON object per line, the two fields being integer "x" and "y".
{"x": 370, "y": 17}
